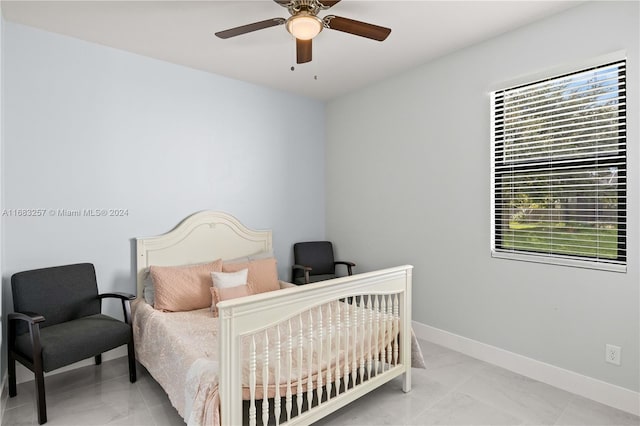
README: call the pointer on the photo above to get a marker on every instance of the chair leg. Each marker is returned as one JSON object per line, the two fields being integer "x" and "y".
{"x": 132, "y": 362}
{"x": 11, "y": 374}
{"x": 98, "y": 359}
{"x": 40, "y": 402}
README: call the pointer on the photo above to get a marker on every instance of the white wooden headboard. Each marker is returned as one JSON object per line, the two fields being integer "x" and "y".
{"x": 201, "y": 237}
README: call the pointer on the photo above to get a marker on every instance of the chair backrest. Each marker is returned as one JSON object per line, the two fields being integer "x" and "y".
{"x": 316, "y": 254}
{"x": 59, "y": 294}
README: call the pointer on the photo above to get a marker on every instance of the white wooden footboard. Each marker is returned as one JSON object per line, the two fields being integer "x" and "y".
{"x": 331, "y": 342}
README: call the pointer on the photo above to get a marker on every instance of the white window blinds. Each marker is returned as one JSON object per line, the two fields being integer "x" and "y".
{"x": 559, "y": 168}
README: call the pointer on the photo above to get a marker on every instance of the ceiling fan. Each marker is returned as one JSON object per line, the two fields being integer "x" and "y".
{"x": 304, "y": 25}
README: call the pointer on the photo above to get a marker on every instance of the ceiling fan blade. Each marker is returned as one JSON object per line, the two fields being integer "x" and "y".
{"x": 244, "y": 29}
{"x": 329, "y": 3}
{"x": 303, "y": 51}
{"x": 358, "y": 28}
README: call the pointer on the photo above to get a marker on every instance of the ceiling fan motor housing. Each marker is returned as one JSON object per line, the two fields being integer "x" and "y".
{"x": 310, "y": 6}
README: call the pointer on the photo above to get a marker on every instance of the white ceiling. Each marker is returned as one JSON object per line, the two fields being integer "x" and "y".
{"x": 181, "y": 32}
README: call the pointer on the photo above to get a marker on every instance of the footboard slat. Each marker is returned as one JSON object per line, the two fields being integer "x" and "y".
{"x": 337, "y": 340}
{"x": 252, "y": 382}
{"x": 396, "y": 315}
{"x": 288, "y": 398}
{"x": 310, "y": 361}
{"x": 376, "y": 312}
{"x": 345, "y": 367}
{"x": 363, "y": 319}
{"x": 277, "y": 409}
{"x": 329, "y": 351}
{"x": 265, "y": 380}
{"x": 299, "y": 361}
{"x": 320, "y": 357}
{"x": 338, "y": 346}
{"x": 353, "y": 343}
{"x": 389, "y": 317}
{"x": 383, "y": 314}
{"x": 371, "y": 338}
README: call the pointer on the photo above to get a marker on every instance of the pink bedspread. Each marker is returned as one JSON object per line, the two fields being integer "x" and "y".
{"x": 180, "y": 351}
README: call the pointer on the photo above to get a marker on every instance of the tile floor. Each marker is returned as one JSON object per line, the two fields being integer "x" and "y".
{"x": 453, "y": 390}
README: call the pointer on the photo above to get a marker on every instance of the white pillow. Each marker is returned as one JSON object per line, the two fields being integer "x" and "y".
{"x": 228, "y": 280}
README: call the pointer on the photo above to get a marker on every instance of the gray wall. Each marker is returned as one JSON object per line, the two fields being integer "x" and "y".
{"x": 90, "y": 127}
{"x": 408, "y": 181}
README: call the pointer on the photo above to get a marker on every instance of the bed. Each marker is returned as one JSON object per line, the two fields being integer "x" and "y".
{"x": 289, "y": 356}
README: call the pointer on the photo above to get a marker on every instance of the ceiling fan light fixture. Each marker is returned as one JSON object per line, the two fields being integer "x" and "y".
{"x": 304, "y": 26}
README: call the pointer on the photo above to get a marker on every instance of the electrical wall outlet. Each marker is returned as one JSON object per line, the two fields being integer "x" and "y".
{"x": 612, "y": 354}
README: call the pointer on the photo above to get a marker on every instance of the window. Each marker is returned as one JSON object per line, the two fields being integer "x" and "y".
{"x": 559, "y": 191}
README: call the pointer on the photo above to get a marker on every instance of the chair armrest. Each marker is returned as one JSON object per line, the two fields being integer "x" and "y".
{"x": 348, "y": 264}
{"x": 119, "y": 295}
{"x": 306, "y": 270}
{"x": 30, "y": 317}
{"x": 125, "y": 298}
{"x": 33, "y": 320}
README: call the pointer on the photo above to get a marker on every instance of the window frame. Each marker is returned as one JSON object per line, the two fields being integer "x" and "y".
{"x": 580, "y": 261}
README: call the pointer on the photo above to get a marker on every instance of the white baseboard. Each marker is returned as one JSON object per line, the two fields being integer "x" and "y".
{"x": 570, "y": 381}
{"x": 23, "y": 374}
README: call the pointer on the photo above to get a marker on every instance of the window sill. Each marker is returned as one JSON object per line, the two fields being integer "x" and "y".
{"x": 560, "y": 261}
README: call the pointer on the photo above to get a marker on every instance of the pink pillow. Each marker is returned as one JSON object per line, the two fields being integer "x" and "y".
{"x": 220, "y": 294}
{"x": 233, "y": 292}
{"x": 227, "y": 280}
{"x": 183, "y": 288}
{"x": 263, "y": 274}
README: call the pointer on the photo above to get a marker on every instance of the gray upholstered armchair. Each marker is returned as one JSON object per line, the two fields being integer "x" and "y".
{"x": 314, "y": 262}
{"x": 58, "y": 321}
